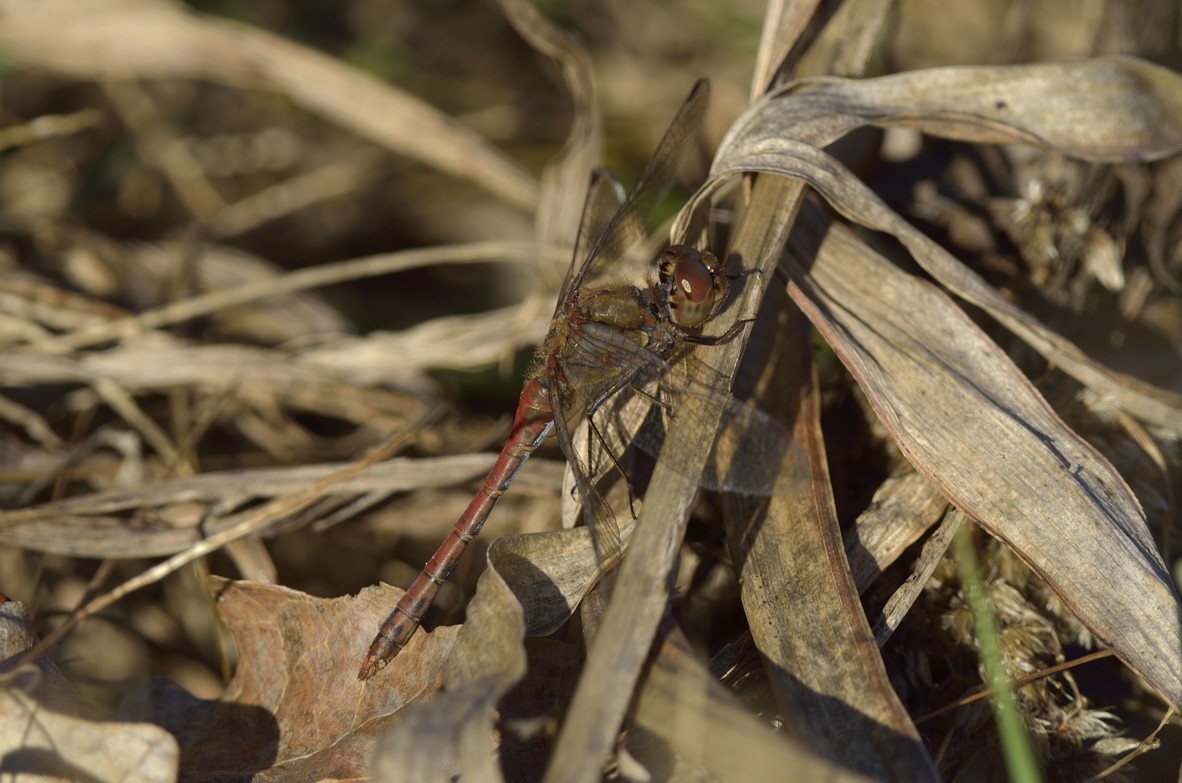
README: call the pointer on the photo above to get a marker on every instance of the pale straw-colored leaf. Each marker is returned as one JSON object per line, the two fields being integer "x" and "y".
{"x": 968, "y": 419}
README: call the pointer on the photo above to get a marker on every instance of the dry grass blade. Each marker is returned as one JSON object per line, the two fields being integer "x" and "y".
{"x": 799, "y": 598}
{"x": 902, "y": 510}
{"x": 87, "y": 42}
{"x": 249, "y": 523}
{"x": 971, "y": 422}
{"x": 901, "y": 601}
{"x": 1086, "y": 483}
{"x": 640, "y": 592}
{"x": 784, "y": 24}
{"x": 457, "y": 342}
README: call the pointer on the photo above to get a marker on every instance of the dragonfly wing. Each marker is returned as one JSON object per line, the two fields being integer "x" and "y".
{"x": 752, "y": 453}
{"x": 604, "y": 197}
{"x": 627, "y": 226}
{"x": 571, "y": 407}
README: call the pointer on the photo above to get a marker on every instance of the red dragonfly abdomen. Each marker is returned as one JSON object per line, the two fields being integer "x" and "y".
{"x": 533, "y": 422}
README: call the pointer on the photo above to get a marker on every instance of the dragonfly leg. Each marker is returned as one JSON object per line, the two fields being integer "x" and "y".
{"x": 598, "y": 435}
{"x": 725, "y": 337}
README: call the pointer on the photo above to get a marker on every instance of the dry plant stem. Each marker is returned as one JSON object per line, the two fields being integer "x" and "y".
{"x": 34, "y": 425}
{"x": 165, "y": 149}
{"x": 904, "y": 598}
{"x": 125, "y": 405}
{"x": 1147, "y": 744}
{"x": 334, "y": 180}
{"x": 328, "y": 274}
{"x": 265, "y": 515}
{"x": 564, "y": 181}
{"x": 49, "y": 126}
{"x": 903, "y": 509}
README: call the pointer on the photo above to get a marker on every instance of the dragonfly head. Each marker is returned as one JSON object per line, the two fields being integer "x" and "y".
{"x": 692, "y": 285}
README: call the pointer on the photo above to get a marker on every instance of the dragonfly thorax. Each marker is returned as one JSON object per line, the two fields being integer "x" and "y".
{"x": 691, "y": 285}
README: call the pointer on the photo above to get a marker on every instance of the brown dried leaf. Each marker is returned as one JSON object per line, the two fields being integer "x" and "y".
{"x": 295, "y": 709}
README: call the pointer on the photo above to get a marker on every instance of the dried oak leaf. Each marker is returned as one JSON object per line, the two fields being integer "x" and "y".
{"x": 295, "y": 709}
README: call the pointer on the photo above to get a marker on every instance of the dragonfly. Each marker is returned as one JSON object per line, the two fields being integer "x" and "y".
{"x": 602, "y": 339}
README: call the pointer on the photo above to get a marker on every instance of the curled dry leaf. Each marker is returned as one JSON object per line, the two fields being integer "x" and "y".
{"x": 1020, "y": 468}
{"x": 295, "y": 709}
{"x": 773, "y": 137}
{"x": 532, "y": 586}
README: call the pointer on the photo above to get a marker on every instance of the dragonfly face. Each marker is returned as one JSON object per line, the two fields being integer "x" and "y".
{"x": 691, "y": 286}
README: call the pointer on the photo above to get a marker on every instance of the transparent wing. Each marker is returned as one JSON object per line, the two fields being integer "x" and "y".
{"x": 597, "y": 513}
{"x": 627, "y": 225}
{"x": 605, "y": 196}
{"x": 751, "y": 452}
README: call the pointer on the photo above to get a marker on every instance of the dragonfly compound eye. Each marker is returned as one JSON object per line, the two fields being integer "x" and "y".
{"x": 696, "y": 284}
